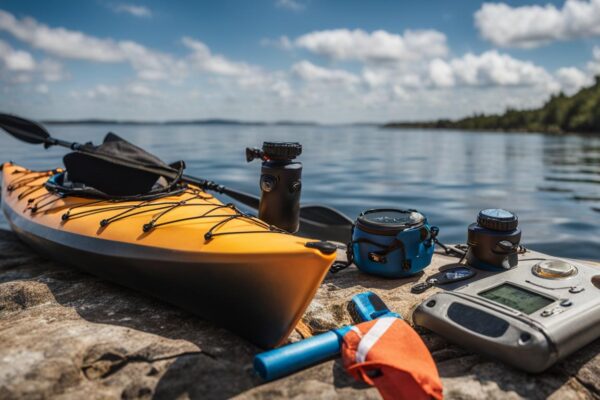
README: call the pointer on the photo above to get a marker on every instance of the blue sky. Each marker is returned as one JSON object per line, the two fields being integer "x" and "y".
{"x": 329, "y": 61}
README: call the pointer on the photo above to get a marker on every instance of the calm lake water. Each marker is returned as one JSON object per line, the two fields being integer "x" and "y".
{"x": 551, "y": 182}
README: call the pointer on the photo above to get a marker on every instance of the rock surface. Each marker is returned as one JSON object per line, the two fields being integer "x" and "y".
{"x": 66, "y": 334}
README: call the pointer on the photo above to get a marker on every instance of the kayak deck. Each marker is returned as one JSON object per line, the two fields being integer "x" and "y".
{"x": 187, "y": 248}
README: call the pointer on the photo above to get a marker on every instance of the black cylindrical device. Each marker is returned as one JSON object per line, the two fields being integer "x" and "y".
{"x": 494, "y": 240}
{"x": 280, "y": 183}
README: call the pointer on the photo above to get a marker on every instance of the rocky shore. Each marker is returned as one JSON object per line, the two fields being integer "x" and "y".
{"x": 68, "y": 335}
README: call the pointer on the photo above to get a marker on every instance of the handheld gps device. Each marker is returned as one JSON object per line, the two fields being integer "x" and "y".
{"x": 529, "y": 317}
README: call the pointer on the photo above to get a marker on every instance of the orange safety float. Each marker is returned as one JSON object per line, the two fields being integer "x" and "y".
{"x": 388, "y": 354}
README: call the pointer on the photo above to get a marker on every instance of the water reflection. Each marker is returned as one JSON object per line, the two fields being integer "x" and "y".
{"x": 574, "y": 163}
{"x": 552, "y": 182}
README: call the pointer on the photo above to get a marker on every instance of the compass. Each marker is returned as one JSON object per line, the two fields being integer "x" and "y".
{"x": 554, "y": 269}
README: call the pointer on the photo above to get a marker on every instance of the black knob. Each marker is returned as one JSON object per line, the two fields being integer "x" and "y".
{"x": 253, "y": 153}
{"x": 281, "y": 150}
{"x": 497, "y": 219}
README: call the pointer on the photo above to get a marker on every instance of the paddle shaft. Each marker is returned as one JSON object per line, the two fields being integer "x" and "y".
{"x": 57, "y": 142}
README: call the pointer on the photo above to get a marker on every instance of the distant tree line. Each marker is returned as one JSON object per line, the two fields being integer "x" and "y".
{"x": 560, "y": 114}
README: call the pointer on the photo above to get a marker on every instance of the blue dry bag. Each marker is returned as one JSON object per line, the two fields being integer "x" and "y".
{"x": 392, "y": 243}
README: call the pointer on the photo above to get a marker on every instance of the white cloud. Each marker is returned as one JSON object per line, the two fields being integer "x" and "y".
{"x": 450, "y": 87}
{"x": 293, "y": 5}
{"x": 408, "y": 76}
{"x": 21, "y": 67}
{"x": 283, "y": 43}
{"x": 203, "y": 59}
{"x": 15, "y": 60}
{"x": 534, "y": 25}
{"x": 152, "y": 65}
{"x": 149, "y": 64}
{"x": 479, "y": 71}
{"x": 102, "y": 91}
{"x": 311, "y": 73}
{"x": 52, "y": 71}
{"x": 441, "y": 73}
{"x": 19, "y": 60}
{"x": 134, "y": 10}
{"x": 572, "y": 79}
{"x": 139, "y": 89}
{"x": 42, "y": 88}
{"x": 594, "y": 65}
{"x": 64, "y": 43}
{"x": 59, "y": 41}
{"x": 377, "y": 46}
{"x": 131, "y": 91}
{"x": 402, "y": 76}
{"x": 490, "y": 68}
{"x": 227, "y": 78}
{"x": 281, "y": 88}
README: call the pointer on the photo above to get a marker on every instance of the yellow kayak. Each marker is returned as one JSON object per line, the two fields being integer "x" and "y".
{"x": 187, "y": 248}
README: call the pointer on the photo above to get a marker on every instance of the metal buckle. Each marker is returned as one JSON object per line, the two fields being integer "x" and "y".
{"x": 378, "y": 258}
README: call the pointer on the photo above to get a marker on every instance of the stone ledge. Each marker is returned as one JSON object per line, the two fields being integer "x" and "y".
{"x": 66, "y": 334}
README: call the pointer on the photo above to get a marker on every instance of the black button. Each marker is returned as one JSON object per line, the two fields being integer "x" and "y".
{"x": 296, "y": 187}
{"x": 525, "y": 337}
{"x": 323, "y": 246}
{"x": 267, "y": 183}
{"x": 430, "y": 303}
{"x": 566, "y": 303}
{"x": 596, "y": 281}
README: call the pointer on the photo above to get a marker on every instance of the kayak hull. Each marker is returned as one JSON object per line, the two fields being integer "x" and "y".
{"x": 259, "y": 296}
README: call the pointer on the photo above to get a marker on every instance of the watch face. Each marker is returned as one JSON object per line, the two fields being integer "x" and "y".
{"x": 451, "y": 275}
{"x": 457, "y": 273}
{"x": 497, "y": 213}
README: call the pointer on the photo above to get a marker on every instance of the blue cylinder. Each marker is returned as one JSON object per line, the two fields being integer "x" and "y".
{"x": 392, "y": 243}
{"x": 293, "y": 357}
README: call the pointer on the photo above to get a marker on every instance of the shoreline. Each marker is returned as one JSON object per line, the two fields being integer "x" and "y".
{"x": 393, "y": 125}
{"x": 490, "y": 130}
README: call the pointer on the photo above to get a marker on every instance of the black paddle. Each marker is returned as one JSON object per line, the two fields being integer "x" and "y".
{"x": 316, "y": 221}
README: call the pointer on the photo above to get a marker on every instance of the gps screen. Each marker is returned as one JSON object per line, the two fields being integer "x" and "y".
{"x": 518, "y": 298}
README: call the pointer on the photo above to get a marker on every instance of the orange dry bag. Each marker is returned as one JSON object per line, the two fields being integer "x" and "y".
{"x": 390, "y": 355}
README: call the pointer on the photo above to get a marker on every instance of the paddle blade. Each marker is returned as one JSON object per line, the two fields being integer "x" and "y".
{"x": 325, "y": 223}
{"x": 22, "y": 129}
{"x": 325, "y": 215}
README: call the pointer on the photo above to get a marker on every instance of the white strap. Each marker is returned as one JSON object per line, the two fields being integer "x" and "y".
{"x": 369, "y": 340}
{"x": 357, "y": 331}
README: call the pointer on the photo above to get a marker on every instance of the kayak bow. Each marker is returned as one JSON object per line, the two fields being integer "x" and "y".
{"x": 186, "y": 248}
